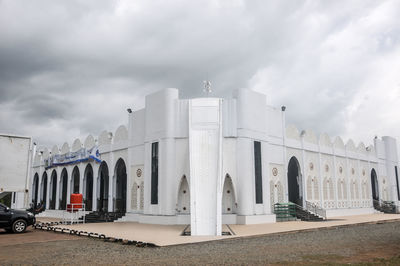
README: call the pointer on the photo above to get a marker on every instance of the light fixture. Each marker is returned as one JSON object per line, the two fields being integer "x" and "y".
{"x": 129, "y": 110}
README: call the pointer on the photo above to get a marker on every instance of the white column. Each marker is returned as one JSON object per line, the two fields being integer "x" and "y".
{"x": 48, "y": 191}
{"x": 57, "y": 199}
{"x": 335, "y": 186}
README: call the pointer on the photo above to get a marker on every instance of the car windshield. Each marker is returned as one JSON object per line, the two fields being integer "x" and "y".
{"x": 2, "y": 206}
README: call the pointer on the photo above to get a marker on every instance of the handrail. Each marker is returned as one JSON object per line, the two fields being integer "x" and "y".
{"x": 312, "y": 207}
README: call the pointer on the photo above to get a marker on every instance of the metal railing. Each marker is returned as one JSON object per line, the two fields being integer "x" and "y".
{"x": 313, "y": 208}
{"x": 73, "y": 213}
{"x": 386, "y": 206}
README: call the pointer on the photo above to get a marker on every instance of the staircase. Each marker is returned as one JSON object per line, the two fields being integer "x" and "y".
{"x": 291, "y": 211}
{"x": 386, "y": 206}
{"x": 102, "y": 217}
{"x": 285, "y": 212}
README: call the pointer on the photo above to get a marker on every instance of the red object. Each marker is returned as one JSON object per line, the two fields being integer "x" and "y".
{"x": 76, "y": 200}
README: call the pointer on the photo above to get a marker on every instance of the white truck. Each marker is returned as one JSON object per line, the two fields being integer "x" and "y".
{"x": 15, "y": 167}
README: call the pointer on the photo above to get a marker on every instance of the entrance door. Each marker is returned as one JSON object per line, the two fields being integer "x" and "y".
{"x": 120, "y": 187}
{"x": 88, "y": 187}
{"x": 102, "y": 201}
{"x": 374, "y": 185}
{"x": 53, "y": 187}
{"x": 294, "y": 182}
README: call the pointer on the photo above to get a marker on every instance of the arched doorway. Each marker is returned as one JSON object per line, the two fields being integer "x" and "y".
{"x": 183, "y": 206}
{"x": 102, "y": 200}
{"x": 43, "y": 190}
{"x": 63, "y": 190}
{"x": 75, "y": 180}
{"x": 228, "y": 196}
{"x": 294, "y": 182}
{"x": 88, "y": 187}
{"x": 374, "y": 185}
{"x": 120, "y": 187}
{"x": 53, "y": 190}
{"x": 35, "y": 189}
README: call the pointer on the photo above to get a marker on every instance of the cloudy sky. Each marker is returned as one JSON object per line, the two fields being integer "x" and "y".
{"x": 70, "y": 68}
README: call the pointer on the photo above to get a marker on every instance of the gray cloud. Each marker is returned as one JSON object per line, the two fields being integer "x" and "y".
{"x": 69, "y": 69}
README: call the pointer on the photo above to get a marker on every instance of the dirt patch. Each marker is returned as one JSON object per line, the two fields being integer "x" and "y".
{"x": 365, "y": 244}
{"x": 31, "y": 236}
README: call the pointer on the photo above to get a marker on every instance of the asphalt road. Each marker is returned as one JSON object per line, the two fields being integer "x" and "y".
{"x": 372, "y": 243}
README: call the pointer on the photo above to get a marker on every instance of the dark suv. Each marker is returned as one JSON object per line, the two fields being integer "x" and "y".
{"x": 15, "y": 220}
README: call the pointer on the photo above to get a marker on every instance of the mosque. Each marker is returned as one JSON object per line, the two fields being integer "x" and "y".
{"x": 212, "y": 161}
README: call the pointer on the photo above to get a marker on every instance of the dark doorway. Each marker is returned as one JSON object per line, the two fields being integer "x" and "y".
{"x": 63, "y": 189}
{"x": 35, "y": 188}
{"x": 294, "y": 182}
{"x": 120, "y": 187}
{"x": 374, "y": 185}
{"x": 75, "y": 180}
{"x": 43, "y": 196}
{"x": 102, "y": 200}
{"x": 88, "y": 187}
{"x": 53, "y": 190}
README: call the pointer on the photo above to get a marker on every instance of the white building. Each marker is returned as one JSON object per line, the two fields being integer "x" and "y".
{"x": 211, "y": 161}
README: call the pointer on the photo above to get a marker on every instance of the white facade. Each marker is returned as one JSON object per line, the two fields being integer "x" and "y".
{"x": 212, "y": 161}
{"x": 15, "y": 167}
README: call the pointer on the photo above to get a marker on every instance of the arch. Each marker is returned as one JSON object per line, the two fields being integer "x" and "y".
{"x": 65, "y": 148}
{"x": 76, "y": 145}
{"x": 63, "y": 189}
{"x": 294, "y": 181}
{"x": 134, "y": 197}
{"x": 228, "y": 196}
{"x": 35, "y": 189}
{"x": 53, "y": 190}
{"x": 121, "y": 134}
{"x": 325, "y": 140}
{"x": 183, "y": 204}
{"x": 350, "y": 146}
{"x": 310, "y": 137}
{"x": 102, "y": 199}
{"x": 105, "y": 138}
{"x": 46, "y": 154}
{"x": 338, "y": 143}
{"x": 374, "y": 185}
{"x": 141, "y": 204}
{"x": 89, "y": 142}
{"x": 292, "y": 132}
{"x": 75, "y": 180}
{"x": 120, "y": 186}
{"x": 55, "y": 150}
{"x": 43, "y": 190}
{"x": 88, "y": 187}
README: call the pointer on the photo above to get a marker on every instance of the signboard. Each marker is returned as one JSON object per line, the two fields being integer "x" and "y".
{"x": 73, "y": 157}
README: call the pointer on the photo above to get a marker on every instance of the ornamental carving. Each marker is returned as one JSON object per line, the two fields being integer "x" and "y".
{"x": 363, "y": 172}
{"x": 139, "y": 172}
{"x": 274, "y": 171}
{"x": 352, "y": 171}
{"x": 311, "y": 166}
{"x": 326, "y": 168}
{"x": 340, "y": 169}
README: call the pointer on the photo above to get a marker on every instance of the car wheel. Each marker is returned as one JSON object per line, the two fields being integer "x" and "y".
{"x": 19, "y": 226}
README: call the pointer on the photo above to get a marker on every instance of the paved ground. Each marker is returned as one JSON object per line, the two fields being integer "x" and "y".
{"x": 164, "y": 235}
{"x": 373, "y": 243}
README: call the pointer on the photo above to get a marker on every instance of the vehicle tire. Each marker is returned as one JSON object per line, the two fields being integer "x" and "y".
{"x": 19, "y": 226}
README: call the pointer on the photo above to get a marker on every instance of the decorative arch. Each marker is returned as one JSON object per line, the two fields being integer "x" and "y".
{"x": 294, "y": 178}
{"x": 134, "y": 197}
{"x": 53, "y": 190}
{"x": 374, "y": 185}
{"x": 88, "y": 187}
{"x": 43, "y": 190}
{"x": 183, "y": 204}
{"x": 103, "y": 179}
{"x": 228, "y": 196}
{"x": 63, "y": 189}
{"x": 35, "y": 189}
{"x": 120, "y": 186}
{"x": 75, "y": 180}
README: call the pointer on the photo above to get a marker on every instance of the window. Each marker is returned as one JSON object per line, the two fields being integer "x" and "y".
{"x": 258, "y": 171}
{"x": 14, "y": 194}
{"x": 154, "y": 173}
{"x": 397, "y": 183}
